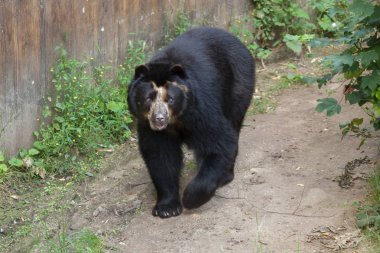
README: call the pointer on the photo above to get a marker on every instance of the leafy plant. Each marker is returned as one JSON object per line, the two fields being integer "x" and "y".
{"x": 88, "y": 112}
{"x": 3, "y": 165}
{"x": 329, "y": 105}
{"x": 296, "y": 42}
{"x": 135, "y": 55}
{"x": 330, "y": 16}
{"x": 359, "y": 63}
{"x": 274, "y": 18}
{"x": 80, "y": 242}
{"x": 242, "y": 29}
{"x": 368, "y": 216}
{"x": 181, "y": 24}
{"x": 272, "y": 23}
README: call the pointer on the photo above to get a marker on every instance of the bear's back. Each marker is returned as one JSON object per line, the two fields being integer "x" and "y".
{"x": 219, "y": 66}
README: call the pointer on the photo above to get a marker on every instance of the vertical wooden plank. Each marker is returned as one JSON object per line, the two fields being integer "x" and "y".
{"x": 22, "y": 72}
{"x": 6, "y": 73}
{"x": 121, "y": 28}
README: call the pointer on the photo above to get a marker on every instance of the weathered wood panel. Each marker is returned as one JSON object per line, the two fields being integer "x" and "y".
{"x": 31, "y": 29}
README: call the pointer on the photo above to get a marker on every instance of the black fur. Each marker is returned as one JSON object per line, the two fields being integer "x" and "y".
{"x": 218, "y": 72}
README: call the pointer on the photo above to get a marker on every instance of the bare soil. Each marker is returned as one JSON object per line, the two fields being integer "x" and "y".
{"x": 292, "y": 190}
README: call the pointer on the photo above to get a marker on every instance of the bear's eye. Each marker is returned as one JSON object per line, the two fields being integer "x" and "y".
{"x": 170, "y": 100}
{"x": 148, "y": 100}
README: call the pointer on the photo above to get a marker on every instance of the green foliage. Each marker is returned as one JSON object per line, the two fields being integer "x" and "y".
{"x": 273, "y": 22}
{"x": 330, "y": 16}
{"x": 3, "y": 165}
{"x": 274, "y": 18}
{"x": 89, "y": 111}
{"x": 81, "y": 115}
{"x": 135, "y": 55}
{"x": 296, "y": 42}
{"x": 84, "y": 241}
{"x": 330, "y": 105}
{"x": 359, "y": 62}
{"x": 242, "y": 29}
{"x": 354, "y": 127}
{"x": 181, "y": 24}
{"x": 368, "y": 216}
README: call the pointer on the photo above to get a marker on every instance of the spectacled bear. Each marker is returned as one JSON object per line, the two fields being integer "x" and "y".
{"x": 195, "y": 91}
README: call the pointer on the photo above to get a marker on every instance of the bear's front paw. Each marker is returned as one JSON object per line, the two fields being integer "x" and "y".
{"x": 167, "y": 210}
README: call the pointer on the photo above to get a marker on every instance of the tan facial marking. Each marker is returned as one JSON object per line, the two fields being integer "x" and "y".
{"x": 181, "y": 86}
{"x": 159, "y": 107}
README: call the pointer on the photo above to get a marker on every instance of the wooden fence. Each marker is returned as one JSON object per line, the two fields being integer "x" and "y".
{"x": 31, "y": 29}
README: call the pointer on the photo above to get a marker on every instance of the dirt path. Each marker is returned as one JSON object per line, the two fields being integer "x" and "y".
{"x": 284, "y": 197}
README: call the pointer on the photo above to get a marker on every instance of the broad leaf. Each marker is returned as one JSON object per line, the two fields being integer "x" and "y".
{"x": 367, "y": 57}
{"x": 301, "y": 14}
{"x": 115, "y": 106}
{"x": 33, "y": 152}
{"x": 59, "y": 119}
{"x": 354, "y": 97}
{"x": 330, "y": 105}
{"x": 372, "y": 81}
{"x": 16, "y": 162}
{"x": 293, "y": 43}
{"x": 3, "y": 168}
{"x": 362, "y": 8}
{"x": 357, "y": 121}
{"x": 323, "y": 80}
{"x": 38, "y": 145}
{"x": 375, "y": 17}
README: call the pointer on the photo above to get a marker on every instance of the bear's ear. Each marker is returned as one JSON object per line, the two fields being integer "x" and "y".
{"x": 178, "y": 70}
{"x": 140, "y": 70}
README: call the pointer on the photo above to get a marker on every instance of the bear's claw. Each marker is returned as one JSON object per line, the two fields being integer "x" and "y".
{"x": 167, "y": 210}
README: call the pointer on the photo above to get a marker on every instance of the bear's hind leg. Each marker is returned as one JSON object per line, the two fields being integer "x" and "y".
{"x": 215, "y": 170}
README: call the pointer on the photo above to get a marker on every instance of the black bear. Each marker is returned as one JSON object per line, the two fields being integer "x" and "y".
{"x": 195, "y": 91}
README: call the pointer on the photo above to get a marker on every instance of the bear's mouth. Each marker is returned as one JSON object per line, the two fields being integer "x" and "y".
{"x": 160, "y": 125}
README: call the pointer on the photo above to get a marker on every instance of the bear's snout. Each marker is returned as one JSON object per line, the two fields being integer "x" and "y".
{"x": 160, "y": 121}
{"x": 159, "y": 118}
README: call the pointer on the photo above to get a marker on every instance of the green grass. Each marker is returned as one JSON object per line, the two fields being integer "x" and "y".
{"x": 368, "y": 216}
{"x": 45, "y": 230}
{"x": 84, "y": 241}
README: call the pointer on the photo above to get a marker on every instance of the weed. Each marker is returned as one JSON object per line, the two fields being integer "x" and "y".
{"x": 262, "y": 104}
{"x": 88, "y": 112}
{"x": 79, "y": 242}
{"x": 242, "y": 28}
{"x": 135, "y": 55}
{"x": 368, "y": 216}
{"x": 181, "y": 24}
{"x": 3, "y": 165}
{"x": 330, "y": 16}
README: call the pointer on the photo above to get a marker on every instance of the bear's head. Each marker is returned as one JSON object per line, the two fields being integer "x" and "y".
{"x": 157, "y": 94}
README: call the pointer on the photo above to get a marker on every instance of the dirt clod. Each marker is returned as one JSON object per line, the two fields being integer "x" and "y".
{"x": 346, "y": 180}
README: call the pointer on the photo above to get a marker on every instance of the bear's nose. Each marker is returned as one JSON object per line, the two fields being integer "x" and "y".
{"x": 160, "y": 118}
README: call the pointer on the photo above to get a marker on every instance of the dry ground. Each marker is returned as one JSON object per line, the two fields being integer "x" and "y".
{"x": 285, "y": 196}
